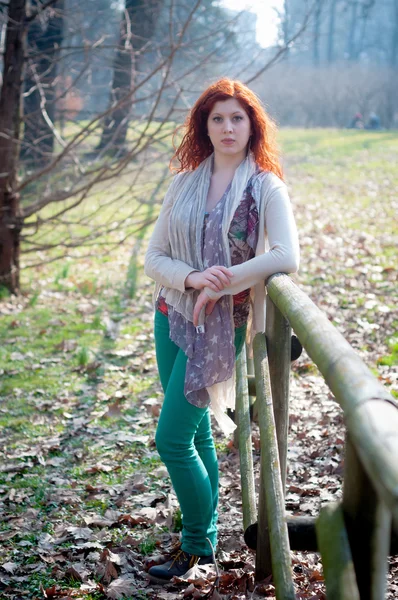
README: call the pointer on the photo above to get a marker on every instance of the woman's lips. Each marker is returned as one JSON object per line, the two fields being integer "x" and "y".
{"x": 228, "y": 142}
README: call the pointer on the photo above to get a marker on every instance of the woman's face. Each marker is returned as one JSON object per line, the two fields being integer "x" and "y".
{"x": 229, "y": 127}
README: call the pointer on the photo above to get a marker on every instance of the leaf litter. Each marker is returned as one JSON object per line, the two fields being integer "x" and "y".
{"x": 86, "y": 506}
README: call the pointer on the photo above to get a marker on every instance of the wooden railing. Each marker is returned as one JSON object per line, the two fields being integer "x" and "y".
{"x": 356, "y": 535}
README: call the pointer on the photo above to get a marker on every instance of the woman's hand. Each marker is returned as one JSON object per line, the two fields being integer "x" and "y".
{"x": 216, "y": 278}
{"x": 203, "y": 300}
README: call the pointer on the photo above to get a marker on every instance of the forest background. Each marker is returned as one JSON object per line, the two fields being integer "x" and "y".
{"x": 91, "y": 93}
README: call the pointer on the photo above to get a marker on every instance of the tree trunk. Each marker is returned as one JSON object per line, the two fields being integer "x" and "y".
{"x": 394, "y": 41}
{"x": 286, "y": 26}
{"x": 45, "y": 37}
{"x": 366, "y": 10}
{"x": 331, "y": 32}
{"x": 352, "y": 31}
{"x": 10, "y": 120}
{"x": 136, "y": 28}
{"x": 317, "y": 29}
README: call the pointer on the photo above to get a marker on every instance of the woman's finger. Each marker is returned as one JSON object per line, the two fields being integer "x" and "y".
{"x": 209, "y": 306}
{"x": 223, "y": 278}
{"x": 202, "y": 300}
{"x": 214, "y": 282}
{"x": 224, "y": 270}
{"x": 223, "y": 274}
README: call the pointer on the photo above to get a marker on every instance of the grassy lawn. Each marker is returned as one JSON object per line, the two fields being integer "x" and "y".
{"x": 79, "y": 394}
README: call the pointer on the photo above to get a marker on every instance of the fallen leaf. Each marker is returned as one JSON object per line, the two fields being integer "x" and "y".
{"x": 78, "y": 572}
{"x": 80, "y": 533}
{"x": 10, "y": 567}
{"x": 121, "y": 587}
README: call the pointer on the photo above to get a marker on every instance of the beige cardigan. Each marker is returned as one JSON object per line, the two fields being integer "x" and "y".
{"x": 277, "y": 248}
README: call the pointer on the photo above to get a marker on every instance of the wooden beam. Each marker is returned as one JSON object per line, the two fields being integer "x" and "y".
{"x": 368, "y": 525}
{"x": 337, "y": 562}
{"x": 371, "y": 414}
{"x": 302, "y": 535}
{"x": 271, "y": 482}
{"x": 242, "y": 415}
{"x": 278, "y": 332}
{"x": 301, "y": 530}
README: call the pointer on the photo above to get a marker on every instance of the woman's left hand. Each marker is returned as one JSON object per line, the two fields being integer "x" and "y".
{"x": 203, "y": 300}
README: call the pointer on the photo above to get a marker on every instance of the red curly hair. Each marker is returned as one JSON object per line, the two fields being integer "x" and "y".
{"x": 196, "y": 144}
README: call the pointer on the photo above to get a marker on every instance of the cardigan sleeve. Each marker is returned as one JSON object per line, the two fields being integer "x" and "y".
{"x": 158, "y": 264}
{"x": 283, "y": 253}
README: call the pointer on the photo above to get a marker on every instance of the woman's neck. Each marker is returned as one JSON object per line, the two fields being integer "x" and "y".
{"x": 223, "y": 163}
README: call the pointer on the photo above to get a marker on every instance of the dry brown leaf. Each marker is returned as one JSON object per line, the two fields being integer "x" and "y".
{"x": 191, "y": 592}
{"x": 100, "y": 468}
{"x": 98, "y": 521}
{"x": 8, "y": 535}
{"x": 121, "y": 587}
{"x": 110, "y": 572}
{"x": 80, "y": 533}
{"x": 114, "y": 410}
{"x": 77, "y": 572}
{"x": 130, "y": 520}
{"x": 153, "y": 406}
{"x": 10, "y": 567}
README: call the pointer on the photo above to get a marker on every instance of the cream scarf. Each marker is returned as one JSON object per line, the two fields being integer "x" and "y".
{"x": 185, "y": 237}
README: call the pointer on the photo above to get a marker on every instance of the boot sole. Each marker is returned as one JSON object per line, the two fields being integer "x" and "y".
{"x": 158, "y": 580}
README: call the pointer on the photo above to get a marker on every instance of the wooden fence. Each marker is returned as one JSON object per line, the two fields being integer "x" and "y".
{"x": 354, "y": 536}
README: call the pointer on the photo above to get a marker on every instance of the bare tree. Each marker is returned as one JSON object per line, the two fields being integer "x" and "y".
{"x": 317, "y": 30}
{"x": 331, "y": 30}
{"x": 394, "y": 41}
{"x": 44, "y": 39}
{"x": 136, "y": 29}
{"x": 76, "y": 198}
{"x": 10, "y": 214}
{"x": 352, "y": 31}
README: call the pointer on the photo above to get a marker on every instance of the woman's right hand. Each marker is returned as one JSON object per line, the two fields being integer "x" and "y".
{"x": 216, "y": 278}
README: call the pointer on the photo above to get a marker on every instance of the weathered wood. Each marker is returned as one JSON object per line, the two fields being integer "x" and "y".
{"x": 278, "y": 333}
{"x": 373, "y": 430}
{"x": 242, "y": 415}
{"x": 337, "y": 562}
{"x": 302, "y": 535}
{"x": 263, "y": 545}
{"x": 252, "y": 396}
{"x": 371, "y": 415}
{"x": 271, "y": 481}
{"x": 369, "y": 526}
{"x": 301, "y": 530}
{"x": 249, "y": 364}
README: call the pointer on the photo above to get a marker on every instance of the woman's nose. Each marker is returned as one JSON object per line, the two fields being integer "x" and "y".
{"x": 227, "y": 126}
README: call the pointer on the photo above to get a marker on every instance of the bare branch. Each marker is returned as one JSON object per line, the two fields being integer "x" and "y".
{"x": 283, "y": 49}
{"x": 39, "y": 10}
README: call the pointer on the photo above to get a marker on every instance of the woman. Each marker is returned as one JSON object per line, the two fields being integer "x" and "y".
{"x": 208, "y": 257}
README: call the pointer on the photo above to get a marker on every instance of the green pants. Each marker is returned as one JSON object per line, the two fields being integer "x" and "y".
{"x": 185, "y": 444}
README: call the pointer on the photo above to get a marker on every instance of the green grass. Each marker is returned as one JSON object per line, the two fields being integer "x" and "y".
{"x": 76, "y": 348}
{"x": 390, "y": 359}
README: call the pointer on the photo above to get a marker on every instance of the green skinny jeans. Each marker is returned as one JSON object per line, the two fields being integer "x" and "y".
{"x": 185, "y": 444}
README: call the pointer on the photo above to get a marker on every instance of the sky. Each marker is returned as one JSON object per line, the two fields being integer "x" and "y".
{"x": 266, "y": 17}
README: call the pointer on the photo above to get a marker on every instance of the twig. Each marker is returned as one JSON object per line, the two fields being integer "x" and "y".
{"x": 216, "y": 584}
{"x": 35, "y": 13}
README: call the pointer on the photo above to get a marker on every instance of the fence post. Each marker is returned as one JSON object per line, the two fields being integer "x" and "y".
{"x": 368, "y": 523}
{"x": 273, "y": 510}
{"x": 278, "y": 332}
{"x": 338, "y": 567}
{"x": 242, "y": 415}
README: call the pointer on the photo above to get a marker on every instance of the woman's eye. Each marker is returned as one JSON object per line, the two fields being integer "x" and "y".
{"x": 238, "y": 118}
{"x": 217, "y": 119}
